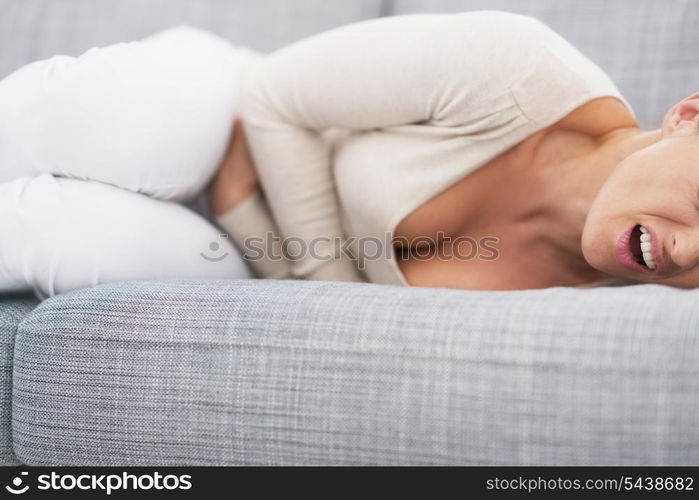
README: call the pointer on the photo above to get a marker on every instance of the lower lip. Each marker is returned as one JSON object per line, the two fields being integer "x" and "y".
{"x": 623, "y": 253}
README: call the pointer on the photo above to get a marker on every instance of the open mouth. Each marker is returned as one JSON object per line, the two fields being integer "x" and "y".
{"x": 641, "y": 247}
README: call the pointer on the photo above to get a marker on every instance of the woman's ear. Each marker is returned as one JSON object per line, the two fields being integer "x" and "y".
{"x": 687, "y": 110}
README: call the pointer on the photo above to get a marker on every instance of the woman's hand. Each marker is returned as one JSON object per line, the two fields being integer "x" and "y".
{"x": 236, "y": 178}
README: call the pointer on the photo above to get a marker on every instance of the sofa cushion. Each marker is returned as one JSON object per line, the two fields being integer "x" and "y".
{"x": 13, "y": 309}
{"x": 647, "y": 46}
{"x": 299, "y": 372}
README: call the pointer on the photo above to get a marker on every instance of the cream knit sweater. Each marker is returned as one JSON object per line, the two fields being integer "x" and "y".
{"x": 424, "y": 99}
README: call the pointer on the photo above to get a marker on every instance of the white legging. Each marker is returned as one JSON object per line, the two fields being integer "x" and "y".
{"x": 97, "y": 151}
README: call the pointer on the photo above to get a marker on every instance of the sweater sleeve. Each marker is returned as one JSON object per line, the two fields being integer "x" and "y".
{"x": 375, "y": 74}
{"x": 252, "y": 228}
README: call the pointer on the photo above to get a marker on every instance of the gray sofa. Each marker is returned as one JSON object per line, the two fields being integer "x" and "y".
{"x": 290, "y": 372}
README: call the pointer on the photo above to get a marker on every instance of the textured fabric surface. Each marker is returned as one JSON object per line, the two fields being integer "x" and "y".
{"x": 646, "y": 46}
{"x": 289, "y": 372}
{"x": 13, "y": 308}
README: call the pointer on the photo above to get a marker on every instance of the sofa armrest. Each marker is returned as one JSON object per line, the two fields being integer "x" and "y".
{"x": 13, "y": 308}
{"x": 294, "y": 372}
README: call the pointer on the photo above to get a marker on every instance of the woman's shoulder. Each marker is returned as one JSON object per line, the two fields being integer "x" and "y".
{"x": 597, "y": 117}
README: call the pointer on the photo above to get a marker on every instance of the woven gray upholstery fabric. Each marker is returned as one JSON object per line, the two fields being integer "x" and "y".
{"x": 291, "y": 372}
{"x": 648, "y": 47}
{"x": 13, "y": 308}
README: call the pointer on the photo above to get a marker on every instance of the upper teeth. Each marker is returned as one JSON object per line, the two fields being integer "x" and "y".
{"x": 647, "y": 248}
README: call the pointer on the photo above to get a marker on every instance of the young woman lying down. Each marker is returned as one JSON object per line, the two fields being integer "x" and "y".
{"x": 478, "y": 150}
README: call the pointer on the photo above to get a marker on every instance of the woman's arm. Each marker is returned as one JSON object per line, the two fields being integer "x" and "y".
{"x": 235, "y": 179}
{"x": 375, "y": 74}
{"x": 239, "y": 209}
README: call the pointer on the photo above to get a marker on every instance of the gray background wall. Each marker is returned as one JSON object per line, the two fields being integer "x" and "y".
{"x": 649, "y": 47}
